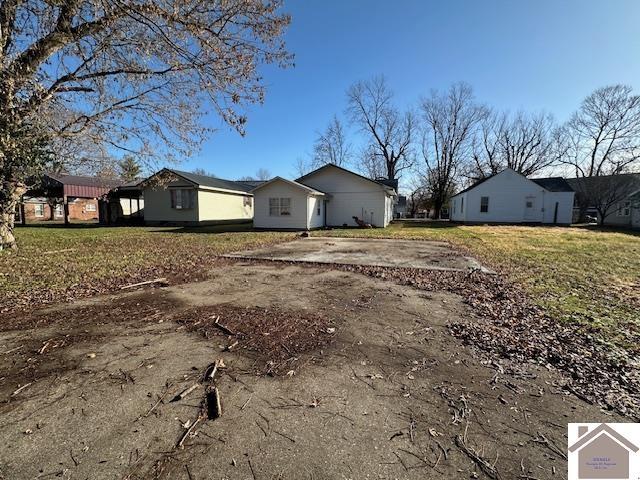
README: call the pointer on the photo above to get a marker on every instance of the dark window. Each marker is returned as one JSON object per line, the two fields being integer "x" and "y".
{"x": 462, "y": 205}
{"x": 183, "y": 198}
{"x": 484, "y": 204}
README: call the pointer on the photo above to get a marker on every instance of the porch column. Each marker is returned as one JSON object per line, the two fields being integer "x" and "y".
{"x": 65, "y": 209}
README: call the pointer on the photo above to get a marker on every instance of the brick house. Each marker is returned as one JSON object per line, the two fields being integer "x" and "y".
{"x": 75, "y": 198}
{"x": 38, "y": 209}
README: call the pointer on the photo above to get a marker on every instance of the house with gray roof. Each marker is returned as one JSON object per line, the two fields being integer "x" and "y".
{"x": 509, "y": 197}
{"x": 174, "y": 197}
{"x": 614, "y": 199}
{"x": 330, "y": 196}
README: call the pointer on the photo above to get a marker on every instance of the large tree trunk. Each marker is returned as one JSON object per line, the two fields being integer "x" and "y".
{"x": 437, "y": 208}
{"x": 9, "y": 198}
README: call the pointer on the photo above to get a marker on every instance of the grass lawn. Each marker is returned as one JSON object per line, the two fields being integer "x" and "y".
{"x": 577, "y": 274}
{"x": 55, "y": 259}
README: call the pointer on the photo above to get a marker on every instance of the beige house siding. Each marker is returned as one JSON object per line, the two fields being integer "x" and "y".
{"x": 210, "y": 206}
{"x": 157, "y": 201}
{"x": 218, "y": 206}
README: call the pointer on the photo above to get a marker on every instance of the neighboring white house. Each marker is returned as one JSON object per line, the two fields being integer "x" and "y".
{"x": 329, "y": 196}
{"x": 509, "y": 197}
{"x": 183, "y": 198}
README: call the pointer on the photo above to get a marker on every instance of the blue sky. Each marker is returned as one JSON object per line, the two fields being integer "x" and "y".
{"x": 533, "y": 55}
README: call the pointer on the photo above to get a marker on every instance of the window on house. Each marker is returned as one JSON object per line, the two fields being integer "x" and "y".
{"x": 529, "y": 204}
{"x": 484, "y": 204}
{"x": 38, "y": 209}
{"x": 624, "y": 209}
{"x": 462, "y": 205}
{"x": 247, "y": 201}
{"x": 279, "y": 207}
{"x": 57, "y": 212}
{"x": 454, "y": 205}
{"x": 183, "y": 198}
{"x": 319, "y": 208}
{"x": 91, "y": 207}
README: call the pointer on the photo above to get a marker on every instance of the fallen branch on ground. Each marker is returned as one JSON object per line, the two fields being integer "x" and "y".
{"x": 148, "y": 282}
{"x": 485, "y": 466}
{"x": 185, "y": 392}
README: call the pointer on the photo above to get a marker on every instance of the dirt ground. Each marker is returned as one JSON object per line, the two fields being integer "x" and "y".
{"x": 386, "y": 393}
{"x": 359, "y": 251}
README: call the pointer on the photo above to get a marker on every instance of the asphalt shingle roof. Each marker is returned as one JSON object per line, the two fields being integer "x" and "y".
{"x": 553, "y": 184}
{"x": 213, "y": 182}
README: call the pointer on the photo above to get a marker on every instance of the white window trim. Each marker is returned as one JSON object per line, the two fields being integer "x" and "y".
{"x": 624, "y": 209}
{"x": 91, "y": 207}
{"x": 277, "y": 206}
{"x": 36, "y": 211}
{"x": 487, "y": 210}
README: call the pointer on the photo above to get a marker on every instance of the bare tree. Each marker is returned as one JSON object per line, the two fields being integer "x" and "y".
{"x": 370, "y": 163}
{"x": 418, "y": 198}
{"x": 301, "y": 167}
{"x": 604, "y": 136}
{"x": 203, "y": 171}
{"x": 605, "y": 133}
{"x": 263, "y": 174}
{"x": 605, "y": 193}
{"x": 390, "y": 132}
{"x": 526, "y": 143}
{"x": 133, "y": 76}
{"x": 332, "y": 146}
{"x": 450, "y": 120}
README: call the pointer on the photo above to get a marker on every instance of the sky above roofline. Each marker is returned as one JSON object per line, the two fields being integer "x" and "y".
{"x": 527, "y": 55}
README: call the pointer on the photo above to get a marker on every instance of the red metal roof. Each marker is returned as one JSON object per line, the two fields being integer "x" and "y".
{"x": 85, "y": 187}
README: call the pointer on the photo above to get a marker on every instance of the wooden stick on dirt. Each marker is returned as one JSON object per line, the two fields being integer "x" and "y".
{"x": 155, "y": 405}
{"x": 229, "y": 347}
{"x": 21, "y": 389}
{"x": 222, "y": 327}
{"x": 185, "y": 392}
{"x": 213, "y": 369}
{"x": 186, "y": 434}
{"x": 214, "y": 405}
{"x": 44, "y": 347}
{"x": 148, "y": 282}
{"x": 64, "y": 250}
{"x": 488, "y": 469}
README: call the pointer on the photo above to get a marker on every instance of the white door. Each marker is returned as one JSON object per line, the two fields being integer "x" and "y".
{"x": 530, "y": 213}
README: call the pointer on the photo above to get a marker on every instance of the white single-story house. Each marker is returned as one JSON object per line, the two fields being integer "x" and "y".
{"x": 509, "y": 197}
{"x": 184, "y": 198}
{"x": 330, "y": 196}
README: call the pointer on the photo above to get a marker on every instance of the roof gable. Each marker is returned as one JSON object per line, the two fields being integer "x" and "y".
{"x": 204, "y": 181}
{"x": 291, "y": 183}
{"x": 343, "y": 170}
{"x": 551, "y": 184}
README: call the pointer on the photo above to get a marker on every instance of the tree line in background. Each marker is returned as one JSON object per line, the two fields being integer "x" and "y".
{"x": 450, "y": 140}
